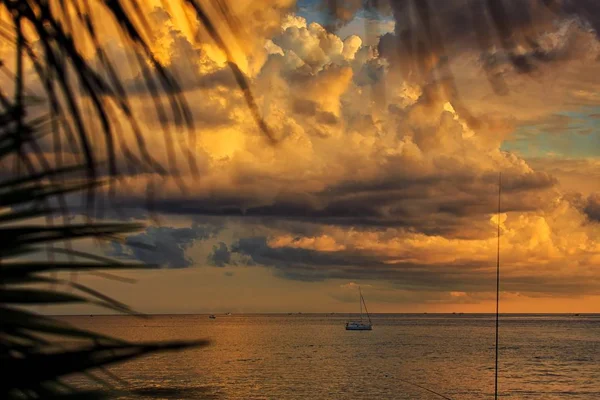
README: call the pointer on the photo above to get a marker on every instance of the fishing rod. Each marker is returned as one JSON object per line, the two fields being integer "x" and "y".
{"x": 497, "y": 306}
{"x": 497, "y": 287}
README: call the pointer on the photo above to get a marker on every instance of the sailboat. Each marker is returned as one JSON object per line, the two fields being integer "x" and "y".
{"x": 360, "y": 325}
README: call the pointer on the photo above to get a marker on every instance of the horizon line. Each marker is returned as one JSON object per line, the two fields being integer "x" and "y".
{"x": 321, "y": 313}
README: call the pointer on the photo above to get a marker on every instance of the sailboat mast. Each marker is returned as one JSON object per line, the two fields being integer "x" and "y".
{"x": 365, "y": 303}
{"x": 360, "y": 301}
{"x": 497, "y": 286}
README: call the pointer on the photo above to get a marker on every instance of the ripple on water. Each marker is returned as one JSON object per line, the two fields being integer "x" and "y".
{"x": 308, "y": 356}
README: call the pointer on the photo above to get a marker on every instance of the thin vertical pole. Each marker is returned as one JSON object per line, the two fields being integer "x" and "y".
{"x": 360, "y": 301}
{"x": 366, "y": 309}
{"x": 497, "y": 286}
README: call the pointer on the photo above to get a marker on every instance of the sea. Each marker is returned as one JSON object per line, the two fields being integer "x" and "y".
{"x": 312, "y": 356}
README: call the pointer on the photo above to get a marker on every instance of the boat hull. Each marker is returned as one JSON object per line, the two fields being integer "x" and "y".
{"x": 359, "y": 327}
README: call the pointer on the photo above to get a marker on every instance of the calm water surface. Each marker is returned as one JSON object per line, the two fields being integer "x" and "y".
{"x": 313, "y": 357}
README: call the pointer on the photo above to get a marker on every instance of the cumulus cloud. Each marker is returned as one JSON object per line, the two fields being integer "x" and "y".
{"x": 345, "y": 160}
{"x": 389, "y": 151}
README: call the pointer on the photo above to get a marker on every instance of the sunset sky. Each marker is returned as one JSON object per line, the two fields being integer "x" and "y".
{"x": 379, "y": 174}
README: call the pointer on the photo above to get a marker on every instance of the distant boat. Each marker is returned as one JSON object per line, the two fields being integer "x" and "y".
{"x": 228, "y": 313}
{"x": 360, "y": 325}
{"x": 212, "y": 316}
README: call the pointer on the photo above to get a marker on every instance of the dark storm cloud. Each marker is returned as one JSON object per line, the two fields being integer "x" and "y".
{"x": 467, "y": 18}
{"x": 442, "y": 204}
{"x": 589, "y": 206}
{"x": 479, "y": 23}
{"x": 188, "y": 81}
{"x": 220, "y": 255}
{"x": 164, "y": 246}
{"x": 339, "y": 13}
{"x": 428, "y": 33}
{"x": 310, "y": 108}
{"x": 461, "y": 275}
{"x": 305, "y": 107}
{"x": 592, "y": 208}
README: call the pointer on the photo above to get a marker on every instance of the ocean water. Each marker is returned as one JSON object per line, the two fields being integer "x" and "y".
{"x": 312, "y": 356}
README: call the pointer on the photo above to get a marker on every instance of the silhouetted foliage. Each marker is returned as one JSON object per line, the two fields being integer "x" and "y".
{"x": 34, "y": 190}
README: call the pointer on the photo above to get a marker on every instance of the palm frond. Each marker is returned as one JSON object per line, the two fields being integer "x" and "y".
{"x": 35, "y": 185}
{"x": 37, "y": 364}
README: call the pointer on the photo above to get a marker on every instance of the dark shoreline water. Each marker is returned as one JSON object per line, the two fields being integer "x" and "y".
{"x": 299, "y": 356}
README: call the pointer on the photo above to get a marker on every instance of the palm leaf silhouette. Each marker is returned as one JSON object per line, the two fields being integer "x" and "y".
{"x": 49, "y": 36}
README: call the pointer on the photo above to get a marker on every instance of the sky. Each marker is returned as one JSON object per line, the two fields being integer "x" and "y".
{"x": 384, "y": 171}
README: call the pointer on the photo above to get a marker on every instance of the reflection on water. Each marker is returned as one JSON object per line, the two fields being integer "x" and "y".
{"x": 313, "y": 356}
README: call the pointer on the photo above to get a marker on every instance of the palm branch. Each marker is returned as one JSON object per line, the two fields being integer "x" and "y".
{"x": 47, "y": 35}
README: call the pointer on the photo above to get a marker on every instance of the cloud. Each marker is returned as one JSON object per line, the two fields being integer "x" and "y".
{"x": 299, "y": 263}
{"x": 354, "y": 286}
{"x": 383, "y": 170}
{"x": 472, "y": 53}
{"x": 592, "y": 208}
{"x": 163, "y": 246}
{"x": 579, "y": 175}
{"x": 345, "y": 160}
{"x": 220, "y": 255}
{"x": 382, "y": 294}
{"x": 537, "y": 258}
{"x": 417, "y": 165}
